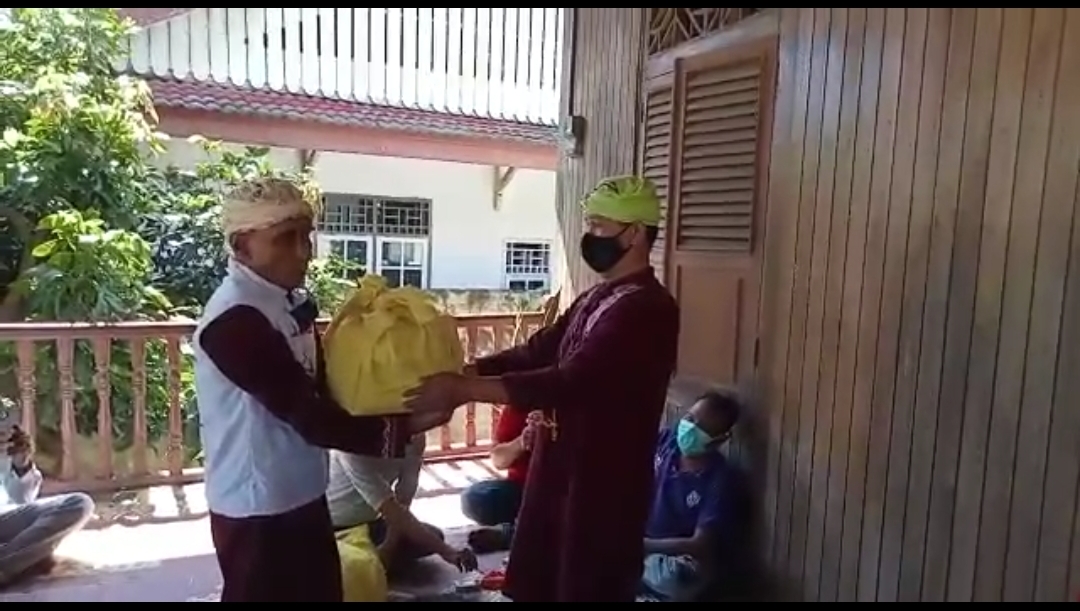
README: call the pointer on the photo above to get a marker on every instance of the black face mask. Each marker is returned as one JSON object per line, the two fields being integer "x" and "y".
{"x": 601, "y": 253}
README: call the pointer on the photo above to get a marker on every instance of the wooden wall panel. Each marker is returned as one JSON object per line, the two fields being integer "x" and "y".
{"x": 920, "y": 306}
{"x": 601, "y": 83}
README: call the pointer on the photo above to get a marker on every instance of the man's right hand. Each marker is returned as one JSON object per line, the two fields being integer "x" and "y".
{"x": 440, "y": 392}
{"x": 464, "y": 559}
{"x": 534, "y": 422}
{"x": 528, "y": 437}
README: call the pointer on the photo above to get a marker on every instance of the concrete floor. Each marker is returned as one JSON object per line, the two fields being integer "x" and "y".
{"x": 154, "y": 546}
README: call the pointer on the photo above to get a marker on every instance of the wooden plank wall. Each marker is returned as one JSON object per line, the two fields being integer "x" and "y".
{"x": 601, "y": 82}
{"x": 921, "y": 305}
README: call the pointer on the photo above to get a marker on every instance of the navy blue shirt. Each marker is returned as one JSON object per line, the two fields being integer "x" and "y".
{"x": 686, "y": 501}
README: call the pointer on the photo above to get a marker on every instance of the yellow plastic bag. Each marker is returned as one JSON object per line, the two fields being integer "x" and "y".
{"x": 363, "y": 577}
{"x": 382, "y": 342}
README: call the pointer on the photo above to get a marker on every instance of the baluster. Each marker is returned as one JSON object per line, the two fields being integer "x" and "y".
{"x": 467, "y": 84}
{"x": 103, "y": 385}
{"x": 257, "y": 43}
{"x": 425, "y": 58}
{"x": 470, "y": 409}
{"x": 497, "y": 84}
{"x": 439, "y": 61}
{"x": 454, "y": 57}
{"x": 199, "y": 43}
{"x": 327, "y": 38}
{"x": 309, "y": 50}
{"x": 498, "y": 331}
{"x": 236, "y": 47}
{"x": 362, "y": 59}
{"x": 484, "y": 68}
{"x": 65, "y": 349}
{"x": 25, "y": 376}
{"x": 292, "y": 35}
{"x": 138, "y": 382}
{"x": 446, "y": 438}
{"x": 175, "y": 450}
{"x": 218, "y": 40}
{"x": 345, "y": 71}
{"x": 517, "y": 66}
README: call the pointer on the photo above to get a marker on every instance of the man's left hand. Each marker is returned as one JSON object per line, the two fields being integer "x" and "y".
{"x": 442, "y": 392}
{"x": 20, "y": 450}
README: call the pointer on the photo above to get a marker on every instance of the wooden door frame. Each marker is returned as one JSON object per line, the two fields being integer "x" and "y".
{"x": 756, "y": 36}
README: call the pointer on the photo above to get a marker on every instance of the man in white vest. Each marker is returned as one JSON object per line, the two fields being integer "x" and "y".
{"x": 266, "y": 415}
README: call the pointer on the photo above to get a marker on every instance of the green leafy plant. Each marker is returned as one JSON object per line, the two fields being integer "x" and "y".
{"x": 84, "y": 271}
{"x": 15, "y": 233}
{"x": 184, "y": 225}
{"x": 73, "y": 165}
{"x": 73, "y": 132}
{"x": 331, "y": 281}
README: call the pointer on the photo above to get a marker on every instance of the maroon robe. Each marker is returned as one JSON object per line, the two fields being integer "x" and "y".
{"x": 601, "y": 372}
{"x": 289, "y": 557}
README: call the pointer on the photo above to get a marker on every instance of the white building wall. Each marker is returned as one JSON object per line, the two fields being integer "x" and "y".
{"x": 468, "y": 233}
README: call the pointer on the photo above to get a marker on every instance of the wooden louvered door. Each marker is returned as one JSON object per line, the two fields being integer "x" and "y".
{"x": 718, "y": 173}
{"x": 655, "y": 161}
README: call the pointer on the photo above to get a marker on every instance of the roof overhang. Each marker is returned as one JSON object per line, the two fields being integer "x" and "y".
{"x": 311, "y": 135}
{"x": 310, "y": 122}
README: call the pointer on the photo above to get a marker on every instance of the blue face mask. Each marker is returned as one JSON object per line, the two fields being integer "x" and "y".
{"x": 691, "y": 439}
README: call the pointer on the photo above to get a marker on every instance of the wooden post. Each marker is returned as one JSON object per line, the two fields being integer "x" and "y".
{"x": 601, "y": 83}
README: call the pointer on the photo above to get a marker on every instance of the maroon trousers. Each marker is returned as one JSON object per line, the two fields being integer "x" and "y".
{"x": 289, "y": 557}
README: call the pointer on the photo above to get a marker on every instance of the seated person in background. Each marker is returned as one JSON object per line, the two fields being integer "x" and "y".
{"x": 695, "y": 505}
{"x": 378, "y": 492}
{"x": 494, "y": 504}
{"x": 32, "y": 528}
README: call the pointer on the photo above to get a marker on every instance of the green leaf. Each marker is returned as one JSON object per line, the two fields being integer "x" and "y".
{"x": 43, "y": 250}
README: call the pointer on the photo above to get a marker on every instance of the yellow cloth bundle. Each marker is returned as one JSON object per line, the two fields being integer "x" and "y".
{"x": 382, "y": 342}
{"x": 363, "y": 578}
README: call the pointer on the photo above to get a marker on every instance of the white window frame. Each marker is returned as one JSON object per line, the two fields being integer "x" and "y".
{"x": 544, "y": 277}
{"x": 425, "y": 256}
{"x": 324, "y": 246}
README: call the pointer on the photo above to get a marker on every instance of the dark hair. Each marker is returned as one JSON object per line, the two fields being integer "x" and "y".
{"x": 723, "y": 403}
{"x": 651, "y": 233}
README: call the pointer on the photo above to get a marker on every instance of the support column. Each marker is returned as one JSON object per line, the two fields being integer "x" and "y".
{"x": 601, "y": 84}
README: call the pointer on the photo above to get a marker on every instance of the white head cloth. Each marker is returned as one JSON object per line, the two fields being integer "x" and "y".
{"x": 263, "y": 203}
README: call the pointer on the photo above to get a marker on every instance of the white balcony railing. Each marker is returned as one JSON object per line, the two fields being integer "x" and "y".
{"x": 502, "y": 63}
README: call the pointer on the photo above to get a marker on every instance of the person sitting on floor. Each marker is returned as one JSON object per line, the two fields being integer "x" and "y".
{"x": 30, "y": 527}
{"x": 494, "y": 503}
{"x": 692, "y": 523}
{"x": 377, "y": 492}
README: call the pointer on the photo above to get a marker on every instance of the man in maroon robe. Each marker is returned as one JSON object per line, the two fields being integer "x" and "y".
{"x": 598, "y": 380}
{"x": 266, "y": 415}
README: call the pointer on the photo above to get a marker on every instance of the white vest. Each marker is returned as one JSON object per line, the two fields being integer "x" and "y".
{"x": 255, "y": 463}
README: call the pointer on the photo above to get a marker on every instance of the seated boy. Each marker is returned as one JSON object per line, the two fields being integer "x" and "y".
{"x": 494, "y": 504}
{"x": 378, "y": 492}
{"x": 694, "y": 512}
{"x": 30, "y": 527}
